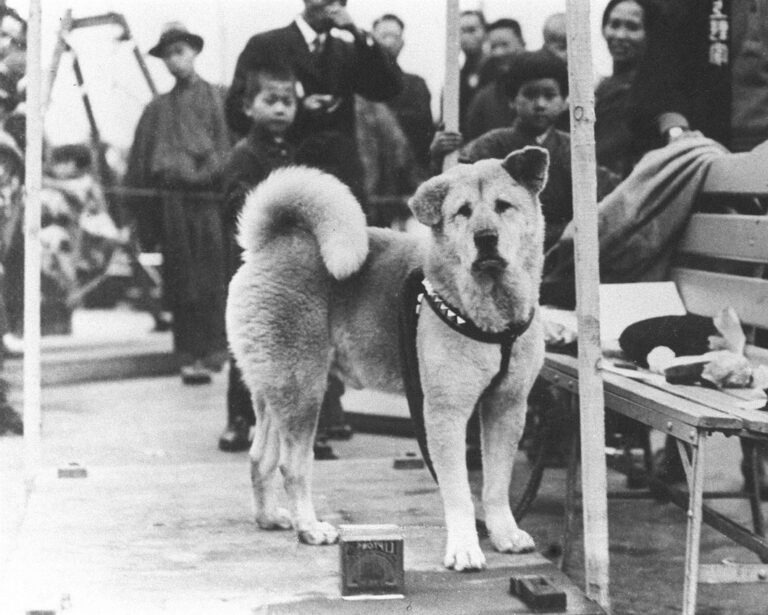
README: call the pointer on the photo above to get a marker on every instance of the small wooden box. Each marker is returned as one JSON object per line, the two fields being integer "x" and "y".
{"x": 371, "y": 560}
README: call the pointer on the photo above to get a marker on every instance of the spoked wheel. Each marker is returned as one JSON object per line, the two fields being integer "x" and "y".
{"x": 540, "y": 434}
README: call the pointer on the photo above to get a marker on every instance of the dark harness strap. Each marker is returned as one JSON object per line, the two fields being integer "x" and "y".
{"x": 414, "y": 291}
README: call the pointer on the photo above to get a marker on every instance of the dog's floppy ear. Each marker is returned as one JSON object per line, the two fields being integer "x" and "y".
{"x": 427, "y": 203}
{"x": 528, "y": 167}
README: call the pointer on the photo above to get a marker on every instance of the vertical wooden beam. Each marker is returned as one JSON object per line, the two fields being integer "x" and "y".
{"x": 594, "y": 482}
{"x": 33, "y": 182}
{"x": 451, "y": 90}
{"x": 693, "y": 528}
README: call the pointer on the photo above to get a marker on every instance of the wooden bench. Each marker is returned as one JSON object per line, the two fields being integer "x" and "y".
{"x": 692, "y": 414}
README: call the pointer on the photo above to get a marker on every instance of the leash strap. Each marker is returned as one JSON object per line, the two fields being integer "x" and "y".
{"x": 414, "y": 290}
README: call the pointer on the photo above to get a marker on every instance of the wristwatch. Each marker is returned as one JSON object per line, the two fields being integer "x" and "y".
{"x": 673, "y": 133}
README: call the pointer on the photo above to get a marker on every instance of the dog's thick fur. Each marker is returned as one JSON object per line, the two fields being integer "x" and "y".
{"x": 318, "y": 292}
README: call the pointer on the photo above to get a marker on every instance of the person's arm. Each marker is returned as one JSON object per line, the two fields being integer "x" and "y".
{"x": 243, "y": 171}
{"x": 660, "y": 95}
{"x": 375, "y": 73}
{"x": 237, "y": 121}
{"x": 443, "y": 143}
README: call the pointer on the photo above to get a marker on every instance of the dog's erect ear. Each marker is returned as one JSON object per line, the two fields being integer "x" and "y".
{"x": 427, "y": 203}
{"x": 528, "y": 167}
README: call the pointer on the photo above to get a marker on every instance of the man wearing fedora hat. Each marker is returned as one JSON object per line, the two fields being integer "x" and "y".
{"x": 179, "y": 149}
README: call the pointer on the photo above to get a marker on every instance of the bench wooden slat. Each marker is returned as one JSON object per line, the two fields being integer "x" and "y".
{"x": 651, "y": 402}
{"x": 729, "y": 236}
{"x": 707, "y": 293}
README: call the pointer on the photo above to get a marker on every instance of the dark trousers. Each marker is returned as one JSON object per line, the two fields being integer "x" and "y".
{"x": 197, "y": 328}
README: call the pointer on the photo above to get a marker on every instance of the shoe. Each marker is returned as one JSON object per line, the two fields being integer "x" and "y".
{"x": 323, "y": 452}
{"x": 668, "y": 468}
{"x": 10, "y": 421}
{"x": 163, "y": 323}
{"x": 196, "y": 373}
{"x": 215, "y": 361}
{"x": 12, "y": 345}
{"x": 236, "y": 437}
{"x": 339, "y": 432}
{"x": 761, "y": 477}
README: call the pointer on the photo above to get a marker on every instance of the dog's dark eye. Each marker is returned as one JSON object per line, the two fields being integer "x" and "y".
{"x": 465, "y": 210}
{"x": 502, "y": 206}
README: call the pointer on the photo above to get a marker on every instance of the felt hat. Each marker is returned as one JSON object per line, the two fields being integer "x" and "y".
{"x": 173, "y": 33}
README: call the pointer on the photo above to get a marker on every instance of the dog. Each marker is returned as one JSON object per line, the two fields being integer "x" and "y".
{"x": 317, "y": 291}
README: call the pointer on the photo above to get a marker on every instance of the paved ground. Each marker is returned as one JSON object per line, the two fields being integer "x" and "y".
{"x": 131, "y": 434}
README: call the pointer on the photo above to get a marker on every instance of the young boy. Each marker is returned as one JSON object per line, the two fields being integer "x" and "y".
{"x": 269, "y": 101}
{"x": 536, "y": 85}
{"x": 179, "y": 149}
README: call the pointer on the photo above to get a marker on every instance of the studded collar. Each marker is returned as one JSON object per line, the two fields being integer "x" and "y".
{"x": 453, "y": 318}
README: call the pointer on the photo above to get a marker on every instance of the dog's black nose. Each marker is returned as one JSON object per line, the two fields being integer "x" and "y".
{"x": 486, "y": 241}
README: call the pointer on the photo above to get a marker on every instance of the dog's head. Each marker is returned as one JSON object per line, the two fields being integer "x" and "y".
{"x": 487, "y": 215}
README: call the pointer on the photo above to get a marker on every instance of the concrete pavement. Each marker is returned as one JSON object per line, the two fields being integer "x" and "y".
{"x": 163, "y": 518}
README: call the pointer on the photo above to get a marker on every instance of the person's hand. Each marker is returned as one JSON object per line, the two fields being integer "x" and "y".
{"x": 445, "y": 142}
{"x": 341, "y": 18}
{"x": 316, "y": 103}
{"x": 676, "y": 133}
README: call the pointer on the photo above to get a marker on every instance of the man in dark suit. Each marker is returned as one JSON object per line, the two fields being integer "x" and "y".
{"x": 412, "y": 106}
{"x": 332, "y": 60}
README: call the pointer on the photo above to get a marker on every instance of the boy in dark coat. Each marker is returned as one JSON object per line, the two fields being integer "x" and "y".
{"x": 270, "y": 102}
{"x": 536, "y": 84}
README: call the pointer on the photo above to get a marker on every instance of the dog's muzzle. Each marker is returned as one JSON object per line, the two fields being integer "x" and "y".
{"x": 488, "y": 258}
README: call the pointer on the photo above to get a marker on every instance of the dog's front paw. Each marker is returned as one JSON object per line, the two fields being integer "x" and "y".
{"x": 515, "y": 541}
{"x": 278, "y": 519}
{"x": 320, "y": 533}
{"x": 464, "y": 554}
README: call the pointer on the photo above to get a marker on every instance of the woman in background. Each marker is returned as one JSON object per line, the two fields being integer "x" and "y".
{"x": 624, "y": 27}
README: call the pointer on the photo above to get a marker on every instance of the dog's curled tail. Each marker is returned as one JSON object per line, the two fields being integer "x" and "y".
{"x": 308, "y": 199}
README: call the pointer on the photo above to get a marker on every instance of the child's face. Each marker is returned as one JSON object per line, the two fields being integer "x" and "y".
{"x": 538, "y": 104}
{"x": 274, "y": 107}
{"x": 179, "y": 58}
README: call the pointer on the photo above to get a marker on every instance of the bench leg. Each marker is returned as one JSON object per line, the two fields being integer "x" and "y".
{"x": 571, "y": 481}
{"x": 751, "y": 463}
{"x": 694, "y": 469}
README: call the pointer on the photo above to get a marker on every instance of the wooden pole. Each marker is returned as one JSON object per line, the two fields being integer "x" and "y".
{"x": 33, "y": 183}
{"x": 451, "y": 91}
{"x": 594, "y": 482}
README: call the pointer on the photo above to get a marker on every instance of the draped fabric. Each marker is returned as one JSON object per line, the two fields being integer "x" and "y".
{"x": 640, "y": 222}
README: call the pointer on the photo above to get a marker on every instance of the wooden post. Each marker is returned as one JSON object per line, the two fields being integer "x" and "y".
{"x": 594, "y": 482}
{"x": 451, "y": 91}
{"x": 33, "y": 183}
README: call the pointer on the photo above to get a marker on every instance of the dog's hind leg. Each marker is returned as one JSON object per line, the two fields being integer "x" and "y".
{"x": 502, "y": 422}
{"x": 296, "y": 460}
{"x": 265, "y": 456}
